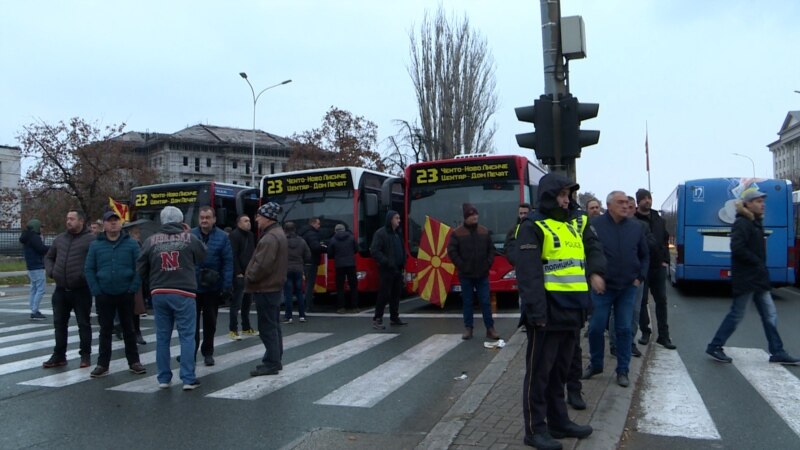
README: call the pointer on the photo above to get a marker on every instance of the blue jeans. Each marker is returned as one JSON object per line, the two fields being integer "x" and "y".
{"x": 769, "y": 319}
{"x": 268, "y": 306}
{"x": 480, "y": 287}
{"x": 293, "y": 288}
{"x": 37, "y": 288}
{"x": 622, "y": 302}
{"x": 172, "y": 310}
{"x": 637, "y": 305}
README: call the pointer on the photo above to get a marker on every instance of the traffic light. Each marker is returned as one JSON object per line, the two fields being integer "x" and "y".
{"x": 573, "y": 139}
{"x": 541, "y": 116}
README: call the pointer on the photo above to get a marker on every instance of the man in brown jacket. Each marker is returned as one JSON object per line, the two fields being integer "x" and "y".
{"x": 264, "y": 278}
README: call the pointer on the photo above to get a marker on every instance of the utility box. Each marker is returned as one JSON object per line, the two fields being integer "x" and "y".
{"x": 573, "y": 37}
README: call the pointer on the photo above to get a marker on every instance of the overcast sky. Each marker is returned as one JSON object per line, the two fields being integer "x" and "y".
{"x": 710, "y": 78}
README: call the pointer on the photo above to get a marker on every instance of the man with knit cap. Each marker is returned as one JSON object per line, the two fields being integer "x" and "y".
{"x": 472, "y": 251}
{"x": 35, "y": 250}
{"x": 387, "y": 249}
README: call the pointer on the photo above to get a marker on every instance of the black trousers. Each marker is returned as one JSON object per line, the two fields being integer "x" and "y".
{"x": 207, "y": 309}
{"x": 656, "y": 283}
{"x": 547, "y": 361}
{"x": 108, "y": 307}
{"x": 575, "y": 366}
{"x": 389, "y": 292}
{"x": 352, "y": 282}
{"x": 64, "y": 302}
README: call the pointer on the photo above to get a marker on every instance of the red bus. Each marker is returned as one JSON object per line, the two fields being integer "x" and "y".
{"x": 495, "y": 184}
{"x": 340, "y": 195}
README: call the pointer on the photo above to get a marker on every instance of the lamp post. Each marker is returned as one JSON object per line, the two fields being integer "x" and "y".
{"x": 255, "y": 100}
{"x": 751, "y": 162}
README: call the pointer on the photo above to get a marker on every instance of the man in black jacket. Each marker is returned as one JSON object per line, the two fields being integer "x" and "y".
{"x": 35, "y": 250}
{"x": 387, "y": 249}
{"x": 750, "y": 280}
{"x": 555, "y": 251}
{"x": 310, "y": 234}
{"x": 342, "y": 250}
{"x": 657, "y": 272}
{"x": 243, "y": 245}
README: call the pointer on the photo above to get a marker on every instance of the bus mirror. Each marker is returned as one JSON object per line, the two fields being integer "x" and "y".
{"x": 372, "y": 204}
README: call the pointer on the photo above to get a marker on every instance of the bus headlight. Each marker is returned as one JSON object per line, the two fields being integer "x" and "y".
{"x": 512, "y": 275}
{"x": 361, "y": 275}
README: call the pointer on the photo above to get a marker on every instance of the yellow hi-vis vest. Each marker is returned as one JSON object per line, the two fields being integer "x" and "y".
{"x": 563, "y": 256}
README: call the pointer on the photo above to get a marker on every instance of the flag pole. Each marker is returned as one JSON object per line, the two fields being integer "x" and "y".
{"x": 647, "y": 155}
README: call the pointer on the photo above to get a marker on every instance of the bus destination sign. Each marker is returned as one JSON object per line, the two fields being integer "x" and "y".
{"x": 166, "y": 198}
{"x": 466, "y": 171}
{"x": 309, "y": 182}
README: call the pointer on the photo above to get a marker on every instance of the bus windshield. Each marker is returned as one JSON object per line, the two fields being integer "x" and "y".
{"x": 496, "y": 202}
{"x": 332, "y": 207}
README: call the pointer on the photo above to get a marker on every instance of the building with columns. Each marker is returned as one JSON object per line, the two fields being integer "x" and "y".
{"x": 786, "y": 150}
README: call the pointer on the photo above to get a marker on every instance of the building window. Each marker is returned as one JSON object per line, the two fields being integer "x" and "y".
{"x": 260, "y": 168}
{"x": 272, "y": 168}
{"x": 235, "y": 164}
{"x": 185, "y": 180}
{"x": 197, "y": 164}
{"x": 247, "y": 169}
{"x": 208, "y": 162}
{"x": 185, "y": 160}
{"x": 235, "y": 182}
{"x": 247, "y": 183}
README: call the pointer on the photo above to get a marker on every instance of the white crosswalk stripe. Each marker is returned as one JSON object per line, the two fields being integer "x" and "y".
{"x": 23, "y": 336}
{"x": 26, "y": 326}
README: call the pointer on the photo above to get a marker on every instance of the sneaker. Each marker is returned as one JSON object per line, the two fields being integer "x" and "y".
{"x": 164, "y": 385}
{"x": 666, "y": 343}
{"x": 250, "y": 332}
{"x": 54, "y": 362}
{"x": 209, "y": 360}
{"x": 542, "y": 441}
{"x": 589, "y": 372}
{"x": 234, "y": 336}
{"x": 378, "y": 324}
{"x": 719, "y": 355}
{"x": 99, "y": 371}
{"x": 191, "y": 386}
{"x": 137, "y": 368}
{"x": 302, "y": 320}
{"x": 622, "y": 380}
{"x": 785, "y": 359}
{"x": 85, "y": 361}
{"x": 140, "y": 340}
{"x": 571, "y": 430}
{"x": 287, "y": 321}
{"x": 38, "y": 316}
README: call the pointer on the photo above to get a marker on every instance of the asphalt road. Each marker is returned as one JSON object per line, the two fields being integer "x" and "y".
{"x": 685, "y": 396}
{"x": 339, "y": 374}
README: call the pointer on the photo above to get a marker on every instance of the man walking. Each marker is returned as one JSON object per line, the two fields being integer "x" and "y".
{"x": 35, "y": 250}
{"x": 242, "y": 247}
{"x": 750, "y": 280}
{"x": 264, "y": 278}
{"x": 214, "y": 280}
{"x": 387, "y": 249}
{"x": 625, "y": 247}
{"x": 168, "y": 262}
{"x": 556, "y": 250}
{"x": 342, "y": 249}
{"x": 656, "y": 273}
{"x": 471, "y": 250}
{"x": 298, "y": 256}
{"x": 64, "y": 263}
{"x": 112, "y": 277}
{"x": 310, "y": 234}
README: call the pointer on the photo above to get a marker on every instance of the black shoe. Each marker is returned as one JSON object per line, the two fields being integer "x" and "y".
{"x": 543, "y": 441}
{"x": 635, "y": 351}
{"x": 613, "y": 351}
{"x": 622, "y": 380}
{"x": 785, "y": 359}
{"x": 645, "y": 338}
{"x": 719, "y": 355}
{"x": 54, "y": 362}
{"x": 99, "y": 371}
{"x": 666, "y": 343}
{"x": 378, "y": 324}
{"x": 262, "y": 370}
{"x": 140, "y": 340}
{"x": 575, "y": 400}
{"x": 589, "y": 372}
{"x": 208, "y": 360}
{"x": 572, "y": 430}
{"x": 397, "y": 322}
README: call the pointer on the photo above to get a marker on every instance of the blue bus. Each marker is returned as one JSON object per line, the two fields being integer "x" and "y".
{"x": 699, "y": 215}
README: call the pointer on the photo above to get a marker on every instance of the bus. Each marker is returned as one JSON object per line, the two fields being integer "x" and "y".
{"x": 699, "y": 214}
{"x": 350, "y": 196}
{"x": 494, "y": 184}
{"x": 228, "y": 201}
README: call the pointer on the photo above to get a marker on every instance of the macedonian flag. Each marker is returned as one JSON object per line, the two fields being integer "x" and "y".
{"x": 435, "y": 268}
{"x": 120, "y": 208}
{"x": 321, "y": 282}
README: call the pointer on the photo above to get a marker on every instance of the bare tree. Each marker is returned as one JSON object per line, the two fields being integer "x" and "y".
{"x": 453, "y": 74}
{"x": 404, "y": 148}
{"x": 584, "y": 197}
{"x": 9, "y": 207}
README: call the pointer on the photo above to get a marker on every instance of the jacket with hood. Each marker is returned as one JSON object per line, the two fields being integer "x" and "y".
{"x": 35, "y": 249}
{"x": 299, "y": 253}
{"x": 219, "y": 257}
{"x": 168, "y": 261}
{"x": 242, "y": 245}
{"x": 659, "y": 239}
{"x": 539, "y": 305}
{"x": 311, "y": 236}
{"x": 266, "y": 272}
{"x": 748, "y": 253}
{"x": 342, "y": 248}
{"x": 65, "y": 259}
{"x": 111, "y": 265}
{"x": 471, "y": 250}
{"x": 387, "y": 247}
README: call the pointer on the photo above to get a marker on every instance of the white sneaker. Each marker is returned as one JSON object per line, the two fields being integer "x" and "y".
{"x": 164, "y": 385}
{"x": 191, "y": 387}
{"x": 302, "y": 319}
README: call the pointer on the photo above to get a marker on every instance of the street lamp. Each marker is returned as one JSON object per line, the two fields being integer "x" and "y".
{"x": 255, "y": 100}
{"x": 751, "y": 162}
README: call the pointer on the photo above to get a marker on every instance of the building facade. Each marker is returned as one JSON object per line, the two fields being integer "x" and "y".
{"x": 207, "y": 152}
{"x": 786, "y": 150}
{"x": 9, "y": 186}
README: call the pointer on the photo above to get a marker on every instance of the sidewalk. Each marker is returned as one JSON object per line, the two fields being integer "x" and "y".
{"x": 489, "y": 414}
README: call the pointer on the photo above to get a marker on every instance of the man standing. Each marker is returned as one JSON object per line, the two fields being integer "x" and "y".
{"x": 342, "y": 249}
{"x": 264, "y": 278}
{"x": 556, "y": 250}
{"x": 593, "y": 208}
{"x": 112, "y": 277}
{"x": 168, "y": 262}
{"x": 35, "y": 250}
{"x": 625, "y": 247}
{"x": 522, "y": 212}
{"x": 298, "y": 256}
{"x": 657, "y": 272}
{"x": 750, "y": 280}
{"x": 64, "y": 263}
{"x": 214, "y": 280}
{"x": 311, "y": 235}
{"x": 242, "y": 246}
{"x": 387, "y": 249}
{"x": 472, "y": 252}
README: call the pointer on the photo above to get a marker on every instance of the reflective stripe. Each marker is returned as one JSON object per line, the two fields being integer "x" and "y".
{"x": 562, "y": 279}
{"x": 556, "y": 241}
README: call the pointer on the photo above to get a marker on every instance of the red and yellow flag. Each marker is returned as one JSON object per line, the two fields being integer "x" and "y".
{"x": 321, "y": 282}
{"x": 120, "y": 208}
{"x": 435, "y": 268}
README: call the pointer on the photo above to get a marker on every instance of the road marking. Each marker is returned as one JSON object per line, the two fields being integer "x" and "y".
{"x": 671, "y": 404}
{"x": 258, "y": 387}
{"x": 21, "y": 348}
{"x": 27, "y": 326}
{"x": 25, "y": 311}
{"x": 22, "y": 336}
{"x": 779, "y": 387}
{"x": 372, "y": 387}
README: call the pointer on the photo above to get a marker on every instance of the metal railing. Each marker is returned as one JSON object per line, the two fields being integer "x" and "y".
{"x": 9, "y": 241}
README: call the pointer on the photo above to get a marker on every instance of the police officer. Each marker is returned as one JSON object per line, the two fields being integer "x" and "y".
{"x": 554, "y": 253}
